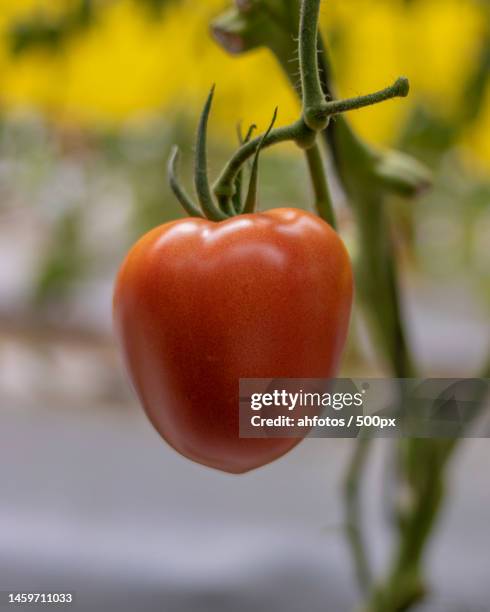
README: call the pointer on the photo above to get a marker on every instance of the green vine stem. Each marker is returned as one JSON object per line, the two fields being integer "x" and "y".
{"x": 323, "y": 200}
{"x": 314, "y": 103}
{"x": 367, "y": 176}
{"x": 316, "y": 112}
{"x": 300, "y": 133}
{"x": 352, "y": 495}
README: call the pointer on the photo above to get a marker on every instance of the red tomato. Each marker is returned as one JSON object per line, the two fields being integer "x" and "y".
{"x": 199, "y": 305}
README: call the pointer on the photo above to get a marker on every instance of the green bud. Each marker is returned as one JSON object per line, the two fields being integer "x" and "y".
{"x": 251, "y": 24}
{"x": 241, "y": 29}
{"x": 402, "y": 174}
{"x": 232, "y": 31}
{"x": 244, "y": 6}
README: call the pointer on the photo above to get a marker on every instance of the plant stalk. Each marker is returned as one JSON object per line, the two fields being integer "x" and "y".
{"x": 377, "y": 283}
{"x": 323, "y": 199}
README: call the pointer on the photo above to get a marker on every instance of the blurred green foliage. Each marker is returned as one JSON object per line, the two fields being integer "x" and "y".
{"x": 46, "y": 30}
{"x": 49, "y": 31}
{"x": 62, "y": 263}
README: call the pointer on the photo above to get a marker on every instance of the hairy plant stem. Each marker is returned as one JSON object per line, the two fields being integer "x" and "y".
{"x": 323, "y": 199}
{"x": 303, "y": 131}
{"x": 378, "y": 288}
{"x": 357, "y": 464}
{"x": 403, "y": 585}
{"x": 316, "y": 112}
{"x": 311, "y": 90}
{"x": 299, "y": 132}
{"x": 224, "y": 183}
{"x": 377, "y": 284}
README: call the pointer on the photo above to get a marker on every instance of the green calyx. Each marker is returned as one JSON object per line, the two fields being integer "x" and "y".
{"x": 236, "y": 196}
{"x": 238, "y": 32}
{"x": 251, "y": 201}
{"x": 402, "y": 174}
{"x": 241, "y": 29}
{"x": 201, "y": 182}
{"x": 246, "y": 25}
{"x": 187, "y": 204}
{"x": 277, "y": 30}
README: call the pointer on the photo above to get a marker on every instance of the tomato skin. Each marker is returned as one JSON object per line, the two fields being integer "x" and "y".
{"x": 199, "y": 305}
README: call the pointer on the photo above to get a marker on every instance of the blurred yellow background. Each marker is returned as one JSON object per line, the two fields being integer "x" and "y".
{"x": 129, "y": 65}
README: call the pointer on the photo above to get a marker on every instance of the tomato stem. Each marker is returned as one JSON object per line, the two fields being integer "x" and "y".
{"x": 323, "y": 200}
{"x": 312, "y": 94}
{"x": 295, "y": 132}
{"x": 316, "y": 112}
{"x": 352, "y": 498}
{"x": 364, "y": 176}
{"x": 399, "y": 89}
{"x": 300, "y": 132}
